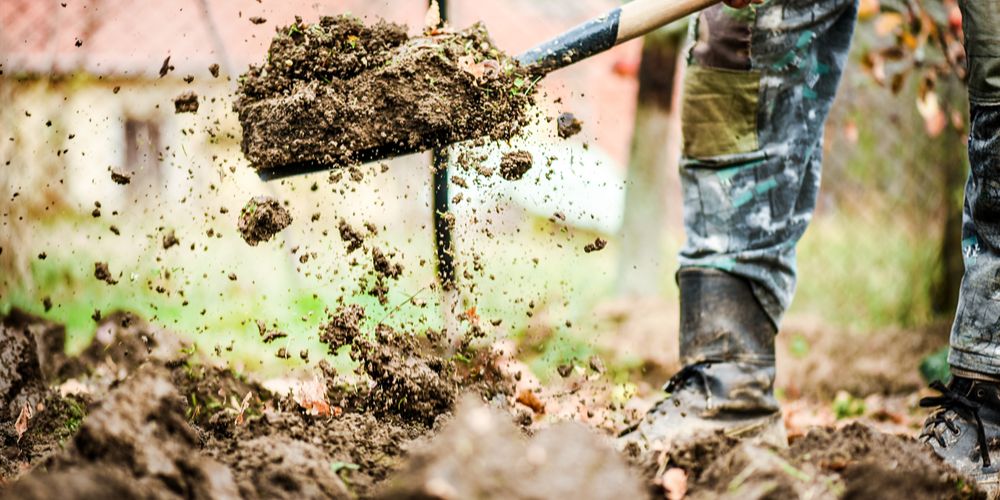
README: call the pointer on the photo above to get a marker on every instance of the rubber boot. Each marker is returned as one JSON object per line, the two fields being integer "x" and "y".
{"x": 727, "y": 383}
{"x": 964, "y": 430}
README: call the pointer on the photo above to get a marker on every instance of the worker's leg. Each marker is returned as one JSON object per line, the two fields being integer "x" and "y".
{"x": 965, "y": 427}
{"x": 757, "y": 90}
{"x": 757, "y": 94}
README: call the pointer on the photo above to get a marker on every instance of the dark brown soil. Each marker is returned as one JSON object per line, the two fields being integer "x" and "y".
{"x": 120, "y": 177}
{"x": 170, "y": 240}
{"x": 103, "y": 273}
{"x": 154, "y": 425}
{"x": 410, "y": 378}
{"x": 261, "y": 219}
{"x": 482, "y": 454}
{"x": 337, "y": 92}
{"x": 568, "y": 125}
{"x": 186, "y": 102}
{"x": 855, "y": 461}
{"x": 351, "y": 236}
{"x": 514, "y": 165}
{"x": 596, "y": 246}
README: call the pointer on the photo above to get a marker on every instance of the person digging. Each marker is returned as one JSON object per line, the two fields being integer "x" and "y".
{"x": 759, "y": 86}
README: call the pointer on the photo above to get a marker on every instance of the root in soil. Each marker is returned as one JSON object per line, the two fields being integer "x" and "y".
{"x": 339, "y": 91}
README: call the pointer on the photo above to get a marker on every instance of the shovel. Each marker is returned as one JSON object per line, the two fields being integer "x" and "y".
{"x": 620, "y": 25}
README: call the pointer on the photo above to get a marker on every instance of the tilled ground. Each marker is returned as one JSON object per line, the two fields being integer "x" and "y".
{"x": 134, "y": 417}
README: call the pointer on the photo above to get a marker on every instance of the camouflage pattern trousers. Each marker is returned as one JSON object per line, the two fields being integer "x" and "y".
{"x": 758, "y": 89}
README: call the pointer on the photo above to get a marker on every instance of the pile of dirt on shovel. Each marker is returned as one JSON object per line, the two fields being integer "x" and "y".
{"x": 338, "y": 92}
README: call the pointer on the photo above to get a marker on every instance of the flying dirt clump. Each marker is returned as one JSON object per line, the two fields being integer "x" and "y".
{"x": 410, "y": 376}
{"x": 262, "y": 218}
{"x": 338, "y": 91}
{"x": 514, "y": 165}
{"x": 103, "y": 273}
{"x": 186, "y": 102}
{"x": 568, "y": 125}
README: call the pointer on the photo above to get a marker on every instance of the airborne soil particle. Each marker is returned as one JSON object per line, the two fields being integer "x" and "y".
{"x": 186, "y": 102}
{"x": 514, "y": 165}
{"x": 596, "y": 246}
{"x": 351, "y": 236}
{"x": 568, "y": 125}
{"x": 170, "y": 240}
{"x": 214, "y": 70}
{"x": 338, "y": 90}
{"x": 262, "y": 218}
{"x": 102, "y": 273}
{"x": 120, "y": 177}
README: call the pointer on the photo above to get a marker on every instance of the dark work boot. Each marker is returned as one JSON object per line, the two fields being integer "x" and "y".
{"x": 727, "y": 348}
{"x": 965, "y": 429}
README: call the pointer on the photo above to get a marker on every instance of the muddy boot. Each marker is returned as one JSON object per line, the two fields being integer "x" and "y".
{"x": 727, "y": 347}
{"x": 965, "y": 429}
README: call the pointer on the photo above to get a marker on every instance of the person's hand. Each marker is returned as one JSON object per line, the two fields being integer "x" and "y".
{"x": 739, "y": 4}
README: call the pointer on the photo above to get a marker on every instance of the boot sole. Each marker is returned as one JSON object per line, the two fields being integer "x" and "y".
{"x": 769, "y": 430}
{"x": 989, "y": 484}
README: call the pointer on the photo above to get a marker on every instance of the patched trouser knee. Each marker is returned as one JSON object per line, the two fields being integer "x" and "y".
{"x": 758, "y": 89}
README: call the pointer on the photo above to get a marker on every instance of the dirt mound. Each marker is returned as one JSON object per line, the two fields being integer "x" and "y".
{"x": 262, "y": 218}
{"x": 31, "y": 352}
{"x": 338, "y": 91}
{"x": 411, "y": 377}
{"x": 855, "y": 461}
{"x": 482, "y": 454}
{"x": 139, "y": 428}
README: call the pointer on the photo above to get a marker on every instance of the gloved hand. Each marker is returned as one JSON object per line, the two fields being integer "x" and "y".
{"x": 739, "y": 4}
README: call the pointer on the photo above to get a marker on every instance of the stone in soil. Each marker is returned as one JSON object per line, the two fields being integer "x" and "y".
{"x": 261, "y": 218}
{"x": 338, "y": 91}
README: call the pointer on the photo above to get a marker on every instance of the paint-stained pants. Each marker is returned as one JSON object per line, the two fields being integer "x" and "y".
{"x": 759, "y": 84}
{"x": 758, "y": 90}
{"x": 975, "y": 335}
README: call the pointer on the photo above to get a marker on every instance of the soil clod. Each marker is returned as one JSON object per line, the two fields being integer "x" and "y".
{"x": 102, "y": 273}
{"x": 568, "y": 125}
{"x": 186, "y": 102}
{"x": 514, "y": 165}
{"x": 261, "y": 218}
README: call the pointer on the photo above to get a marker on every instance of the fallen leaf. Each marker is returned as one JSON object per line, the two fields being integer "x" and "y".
{"x": 471, "y": 316}
{"x": 529, "y": 399}
{"x": 243, "y": 408}
{"x": 675, "y": 483}
{"x": 21, "y": 425}
{"x": 311, "y": 396}
{"x": 935, "y": 120}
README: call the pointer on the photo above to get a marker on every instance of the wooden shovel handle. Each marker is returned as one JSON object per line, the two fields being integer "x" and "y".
{"x": 620, "y": 25}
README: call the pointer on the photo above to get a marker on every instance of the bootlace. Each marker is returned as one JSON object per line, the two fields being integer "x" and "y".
{"x": 950, "y": 400}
